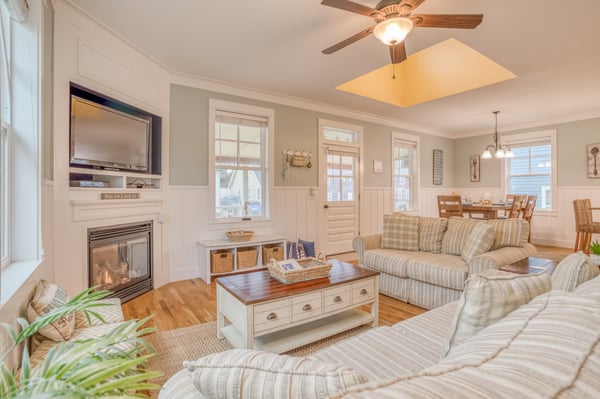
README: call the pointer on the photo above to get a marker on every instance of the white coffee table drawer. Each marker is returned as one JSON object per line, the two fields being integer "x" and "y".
{"x": 305, "y": 306}
{"x": 337, "y": 297}
{"x": 271, "y": 314}
{"x": 363, "y": 291}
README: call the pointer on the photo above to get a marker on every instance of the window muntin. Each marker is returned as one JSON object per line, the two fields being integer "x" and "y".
{"x": 240, "y": 165}
{"x": 341, "y": 176}
{"x": 404, "y": 172}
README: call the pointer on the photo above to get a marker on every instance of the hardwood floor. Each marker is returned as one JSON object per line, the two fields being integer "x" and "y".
{"x": 188, "y": 302}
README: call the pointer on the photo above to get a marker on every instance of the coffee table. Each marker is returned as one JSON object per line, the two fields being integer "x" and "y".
{"x": 531, "y": 265}
{"x": 255, "y": 311}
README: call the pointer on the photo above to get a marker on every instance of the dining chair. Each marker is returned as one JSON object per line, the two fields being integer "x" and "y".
{"x": 528, "y": 212}
{"x": 515, "y": 210}
{"x": 450, "y": 205}
{"x": 509, "y": 199}
{"x": 584, "y": 224}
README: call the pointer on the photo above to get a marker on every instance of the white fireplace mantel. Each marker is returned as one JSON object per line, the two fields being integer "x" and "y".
{"x": 84, "y": 210}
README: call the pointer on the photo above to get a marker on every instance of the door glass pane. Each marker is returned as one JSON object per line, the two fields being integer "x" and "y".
{"x": 347, "y": 189}
{"x": 347, "y": 166}
{"x": 333, "y": 189}
{"x": 333, "y": 165}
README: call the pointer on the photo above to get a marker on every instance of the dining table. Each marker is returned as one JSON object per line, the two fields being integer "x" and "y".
{"x": 485, "y": 211}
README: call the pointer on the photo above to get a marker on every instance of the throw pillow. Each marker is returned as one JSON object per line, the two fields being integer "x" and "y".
{"x": 252, "y": 374}
{"x": 309, "y": 247}
{"x": 431, "y": 233}
{"x": 480, "y": 241}
{"x": 459, "y": 230}
{"x": 589, "y": 288}
{"x": 490, "y": 296}
{"x": 510, "y": 233}
{"x": 400, "y": 232}
{"x": 572, "y": 271}
{"x": 46, "y": 298}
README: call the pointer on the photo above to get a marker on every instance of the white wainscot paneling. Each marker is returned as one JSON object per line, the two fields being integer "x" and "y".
{"x": 296, "y": 213}
{"x": 375, "y": 202}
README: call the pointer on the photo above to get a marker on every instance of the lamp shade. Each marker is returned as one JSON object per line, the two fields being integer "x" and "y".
{"x": 393, "y": 30}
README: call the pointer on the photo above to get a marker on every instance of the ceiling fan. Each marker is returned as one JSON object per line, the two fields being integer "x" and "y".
{"x": 394, "y": 20}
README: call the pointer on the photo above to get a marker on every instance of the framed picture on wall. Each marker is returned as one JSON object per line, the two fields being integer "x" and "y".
{"x": 474, "y": 168}
{"x": 593, "y": 158}
{"x": 438, "y": 167}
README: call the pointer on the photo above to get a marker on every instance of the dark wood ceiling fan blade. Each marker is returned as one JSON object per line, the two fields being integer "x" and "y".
{"x": 461, "y": 21}
{"x": 353, "y": 7}
{"x": 408, "y": 6}
{"x": 398, "y": 53}
{"x": 349, "y": 41}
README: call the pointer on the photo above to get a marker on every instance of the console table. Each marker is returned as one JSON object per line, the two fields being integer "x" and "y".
{"x": 258, "y": 241}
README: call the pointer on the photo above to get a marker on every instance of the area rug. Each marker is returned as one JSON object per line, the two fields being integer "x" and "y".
{"x": 189, "y": 343}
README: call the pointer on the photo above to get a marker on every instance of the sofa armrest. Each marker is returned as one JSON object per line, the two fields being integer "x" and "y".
{"x": 361, "y": 244}
{"x": 500, "y": 257}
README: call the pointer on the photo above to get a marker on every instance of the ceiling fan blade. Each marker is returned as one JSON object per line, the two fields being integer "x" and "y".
{"x": 398, "y": 53}
{"x": 348, "y": 41}
{"x": 408, "y": 6}
{"x": 462, "y": 21}
{"x": 353, "y": 7}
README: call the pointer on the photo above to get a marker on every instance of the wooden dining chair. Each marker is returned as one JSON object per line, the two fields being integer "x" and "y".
{"x": 509, "y": 199}
{"x": 528, "y": 212}
{"x": 584, "y": 224}
{"x": 515, "y": 210}
{"x": 450, "y": 205}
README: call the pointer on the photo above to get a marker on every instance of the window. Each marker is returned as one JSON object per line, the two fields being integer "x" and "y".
{"x": 404, "y": 171}
{"x": 240, "y": 137}
{"x": 532, "y": 170}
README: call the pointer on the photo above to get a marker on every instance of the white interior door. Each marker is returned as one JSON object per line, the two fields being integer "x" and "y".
{"x": 339, "y": 192}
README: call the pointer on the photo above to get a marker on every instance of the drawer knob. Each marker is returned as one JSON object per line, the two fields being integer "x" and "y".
{"x": 363, "y": 291}
{"x": 271, "y": 316}
{"x": 307, "y": 307}
{"x": 337, "y": 299}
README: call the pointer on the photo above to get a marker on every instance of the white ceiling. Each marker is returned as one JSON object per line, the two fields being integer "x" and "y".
{"x": 553, "y": 46}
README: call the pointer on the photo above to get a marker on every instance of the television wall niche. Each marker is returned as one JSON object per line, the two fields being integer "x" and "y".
{"x": 87, "y": 151}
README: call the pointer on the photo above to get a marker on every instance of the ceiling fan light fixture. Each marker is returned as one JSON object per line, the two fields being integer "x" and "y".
{"x": 393, "y": 30}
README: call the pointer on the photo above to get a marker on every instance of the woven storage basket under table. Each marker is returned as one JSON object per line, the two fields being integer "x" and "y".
{"x": 311, "y": 268}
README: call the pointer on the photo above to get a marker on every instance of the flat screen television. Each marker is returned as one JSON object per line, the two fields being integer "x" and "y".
{"x": 108, "y": 134}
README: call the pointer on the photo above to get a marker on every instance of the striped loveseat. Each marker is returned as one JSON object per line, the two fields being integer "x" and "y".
{"x": 426, "y": 261}
{"x": 545, "y": 344}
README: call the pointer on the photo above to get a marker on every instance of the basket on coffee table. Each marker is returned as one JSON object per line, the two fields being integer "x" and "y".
{"x": 311, "y": 268}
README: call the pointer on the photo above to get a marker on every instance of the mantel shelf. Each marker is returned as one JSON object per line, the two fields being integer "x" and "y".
{"x": 101, "y": 209}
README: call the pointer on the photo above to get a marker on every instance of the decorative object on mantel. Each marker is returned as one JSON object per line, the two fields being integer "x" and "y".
{"x": 474, "y": 168}
{"x": 239, "y": 235}
{"x": 498, "y": 151}
{"x": 113, "y": 196}
{"x": 593, "y": 150}
{"x": 438, "y": 167}
{"x": 291, "y": 270}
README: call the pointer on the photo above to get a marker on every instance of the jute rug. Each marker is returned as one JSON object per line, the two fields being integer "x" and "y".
{"x": 190, "y": 343}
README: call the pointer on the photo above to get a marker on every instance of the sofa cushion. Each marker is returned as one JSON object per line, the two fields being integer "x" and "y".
{"x": 438, "y": 269}
{"x": 431, "y": 233}
{"x": 459, "y": 230}
{"x": 546, "y": 349}
{"x": 46, "y": 298}
{"x": 589, "y": 288}
{"x": 480, "y": 241}
{"x": 400, "y": 232}
{"x": 390, "y": 261}
{"x": 490, "y": 296}
{"x": 245, "y": 373}
{"x": 510, "y": 233}
{"x": 572, "y": 271}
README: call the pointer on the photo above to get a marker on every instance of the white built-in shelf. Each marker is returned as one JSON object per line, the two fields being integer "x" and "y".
{"x": 111, "y": 179}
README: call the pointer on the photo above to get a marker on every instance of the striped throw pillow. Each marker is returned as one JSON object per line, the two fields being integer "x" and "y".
{"x": 46, "y": 298}
{"x": 479, "y": 242}
{"x": 510, "y": 233}
{"x": 431, "y": 233}
{"x": 241, "y": 373}
{"x": 490, "y": 296}
{"x": 459, "y": 230}
{"x": 573, "y": 271}
{"x": 400, "y": 232}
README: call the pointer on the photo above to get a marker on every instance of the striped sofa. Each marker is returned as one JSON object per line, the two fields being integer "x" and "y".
{"x": 548, "y": 347}
{"x": 426, "y": 261}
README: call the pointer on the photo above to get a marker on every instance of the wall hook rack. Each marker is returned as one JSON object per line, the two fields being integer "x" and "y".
{"x": 298, "y": 158}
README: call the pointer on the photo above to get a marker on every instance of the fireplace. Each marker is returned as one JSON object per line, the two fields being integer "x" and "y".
{"x": 120, "y": 259}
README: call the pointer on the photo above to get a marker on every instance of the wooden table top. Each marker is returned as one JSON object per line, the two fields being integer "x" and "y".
{"x": 480, "y": 207}
{"x": 258, "y": 286}
{"x": 531, "y": 265}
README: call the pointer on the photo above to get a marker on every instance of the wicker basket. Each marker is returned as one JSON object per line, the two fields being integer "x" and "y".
{"x": 311, "y": 268}
{"x": 240, "y": 235}
{"x": 246, "y": 257}
{"x": 272, "y": 251}
{"x": 221, "y": 261}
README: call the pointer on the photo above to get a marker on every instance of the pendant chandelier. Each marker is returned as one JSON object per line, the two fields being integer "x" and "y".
{"x": 495, "y": 150}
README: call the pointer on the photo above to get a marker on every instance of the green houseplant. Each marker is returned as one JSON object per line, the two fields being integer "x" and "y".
{"x": 112, "y": 365}
{"x": 595, "y": 252}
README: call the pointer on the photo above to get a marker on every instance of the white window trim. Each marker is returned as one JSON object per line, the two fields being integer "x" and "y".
{"x": 215, "y": 105}
{"x": 415, "y": 196}
{"x": 531, "y": 137}
{"x": 324, "y": 123}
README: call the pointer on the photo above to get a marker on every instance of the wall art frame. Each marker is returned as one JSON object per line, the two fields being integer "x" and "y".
{"x": 475, "y": 168}
{"x": 438, "y": 167}
{"x": 593, "y": 160}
